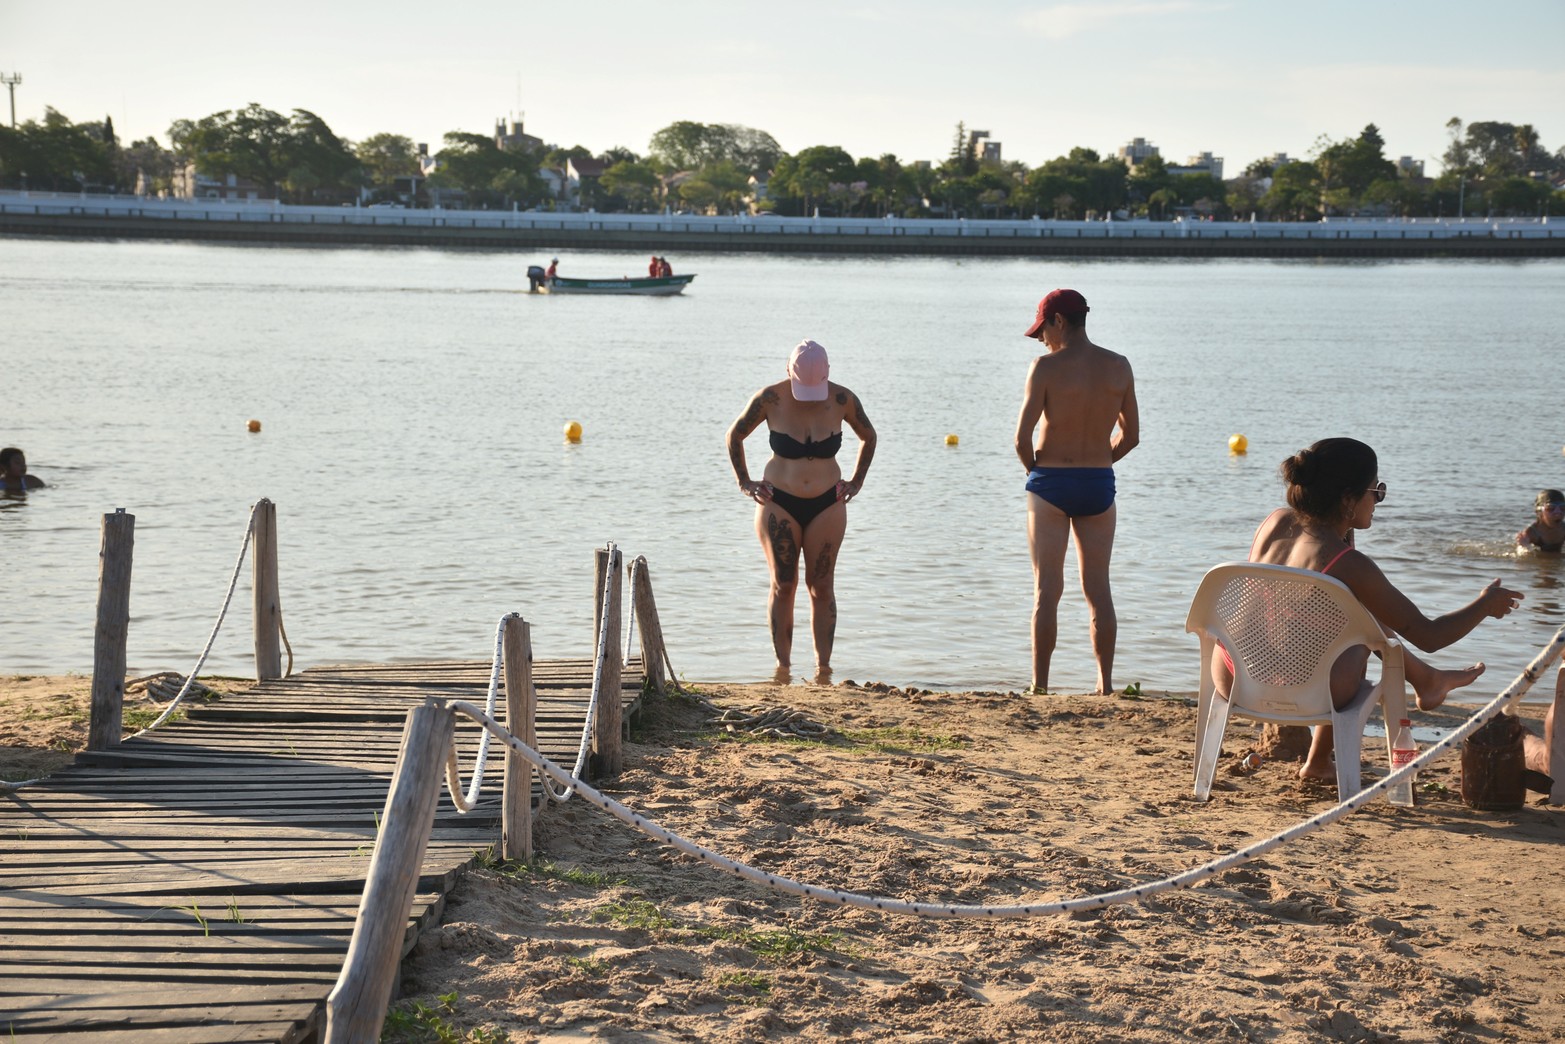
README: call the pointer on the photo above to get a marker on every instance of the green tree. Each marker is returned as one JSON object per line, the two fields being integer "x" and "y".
{"x": 1295, "y": 193}
{"x": 490, "y": 175}
{"x": 1349, "y": 167}
{"x": 55, "y": 154}
{"x": 635, "y": 182}
{"x": 386, "y": 157}
{"x": 293, "y": 157}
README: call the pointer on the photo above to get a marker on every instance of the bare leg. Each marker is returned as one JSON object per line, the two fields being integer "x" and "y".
{"x": 1433, "y": 685}
{"x": 1094, "y": 546}
{"x": 1547, "y": 755}
{"x": 778, "y": 533}
{"x": 1048, "y": 530}
{"x": 822, "y": 542}
{"x": 1347, "y": 674}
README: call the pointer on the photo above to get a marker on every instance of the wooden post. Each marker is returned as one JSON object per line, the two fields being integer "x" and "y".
{"x": 652, "y": 654}
{"x": 107, "y": 717}
{"x": 609, "y": 756}
{"x": 268, "y": 645}
{"x": 600, "y": 566}
{"x": 521, "y": 714}
{"x": 357, "y": 1004}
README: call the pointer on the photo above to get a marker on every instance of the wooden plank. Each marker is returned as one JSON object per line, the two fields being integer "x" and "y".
{"x": 266, "y": 799}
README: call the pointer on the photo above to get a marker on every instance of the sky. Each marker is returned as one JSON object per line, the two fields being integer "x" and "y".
{"x": 1242, "y": 79}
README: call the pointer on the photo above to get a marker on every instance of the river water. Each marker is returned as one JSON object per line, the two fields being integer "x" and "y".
{"x": 412, "y": 403}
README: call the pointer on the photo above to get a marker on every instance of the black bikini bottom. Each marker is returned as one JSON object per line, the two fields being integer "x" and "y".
{"x": 804, "y": 509}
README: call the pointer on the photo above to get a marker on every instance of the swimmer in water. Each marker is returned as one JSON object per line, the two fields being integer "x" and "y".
{"x": 13, "y": 472}
{"x": 1547, "y": 533}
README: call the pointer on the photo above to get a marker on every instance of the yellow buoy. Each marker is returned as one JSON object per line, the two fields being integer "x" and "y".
{"x": 1238, "y": 444}
{"x": 952, "y": 440}
{"x": 572, "y": 431}
{"x": 254, "y": 425}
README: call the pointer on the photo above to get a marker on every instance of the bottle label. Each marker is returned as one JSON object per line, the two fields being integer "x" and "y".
{"x": 1402, "y": 757}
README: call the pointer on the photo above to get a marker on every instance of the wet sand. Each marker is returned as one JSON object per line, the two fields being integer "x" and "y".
{"x": 1437, "y": 923}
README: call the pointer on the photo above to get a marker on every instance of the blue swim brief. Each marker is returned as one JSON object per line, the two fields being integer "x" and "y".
{"x": 1079, "y": 492}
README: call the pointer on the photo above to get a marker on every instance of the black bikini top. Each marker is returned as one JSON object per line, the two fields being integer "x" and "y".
{"x": 785, "y": 445}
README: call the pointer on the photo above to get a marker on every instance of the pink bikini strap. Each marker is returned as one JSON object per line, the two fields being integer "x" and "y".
{"x": 1336, "y": 559}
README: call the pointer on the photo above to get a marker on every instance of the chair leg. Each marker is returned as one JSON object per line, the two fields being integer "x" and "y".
{"x": 1347, "y": 745}
{"x": 1209, "y": 744}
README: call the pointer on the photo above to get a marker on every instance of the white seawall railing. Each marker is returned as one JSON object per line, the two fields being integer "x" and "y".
{"x": 47, "y": 204}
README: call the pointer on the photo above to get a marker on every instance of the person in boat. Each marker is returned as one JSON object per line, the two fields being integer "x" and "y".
{"x": 553, "y": 269}
{"x": 1547, "y": 532}
{"x": 1333, "y": 489}
{"x": 654, "y": 267}
{"x": 801, "y": 500}
{"x": 1077, "y": 395}
{"x": 664, "y": 268}
{"x": 13, "y": 472}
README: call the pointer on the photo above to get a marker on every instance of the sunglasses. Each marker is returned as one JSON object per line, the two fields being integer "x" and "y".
{"x": 1554, "y": 509}
{"x": 1379, "y": 489}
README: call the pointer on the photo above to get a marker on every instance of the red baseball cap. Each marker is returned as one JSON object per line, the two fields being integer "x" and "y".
{"x": 1066, "y": 302}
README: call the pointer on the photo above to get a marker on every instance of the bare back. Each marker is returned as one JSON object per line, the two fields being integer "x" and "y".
{"x": 1076, "y": 396}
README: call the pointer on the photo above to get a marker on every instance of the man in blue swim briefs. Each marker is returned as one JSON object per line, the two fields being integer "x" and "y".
{"x": 1081, "y": 394}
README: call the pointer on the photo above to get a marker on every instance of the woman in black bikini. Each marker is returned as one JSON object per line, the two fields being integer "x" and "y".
{"x": 801, "y": 501}
{"x": 1333, "y": 488}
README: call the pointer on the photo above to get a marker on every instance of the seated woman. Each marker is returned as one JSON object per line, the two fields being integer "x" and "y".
{"x": 801, "y": 502}
{"x": 1333, "y": 487}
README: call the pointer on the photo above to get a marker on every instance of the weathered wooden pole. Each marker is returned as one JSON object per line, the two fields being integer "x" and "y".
{"x": 653, "y": 655}
{"x": 268, "y": 644}
{"x": 608, "y": 753}
{"x": 107, "y": 716}
{"x": 357, "y": 1004}
{"x": 600, "y": 566}
{"x": 521, "y": 713}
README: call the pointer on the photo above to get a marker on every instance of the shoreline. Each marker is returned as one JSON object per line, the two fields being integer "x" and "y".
{"x": 1421, "y": 924}
{"x": 482, "y": 233}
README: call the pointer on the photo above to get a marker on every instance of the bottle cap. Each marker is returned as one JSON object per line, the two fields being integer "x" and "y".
{"x": 1407, "y": 721}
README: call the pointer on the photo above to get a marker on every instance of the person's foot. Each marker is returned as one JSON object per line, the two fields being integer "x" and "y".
{"x": 1036, "y": 690}
{"x": 1326, "y": 773}
{"x": 823, "y": 674}
{"x": 782, "y": 675}
{"x": 1435, "y": 693}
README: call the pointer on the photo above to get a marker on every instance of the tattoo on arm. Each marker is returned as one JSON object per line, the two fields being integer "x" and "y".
{"x": 842, "y": 398}
{"x": 858, "y": 407}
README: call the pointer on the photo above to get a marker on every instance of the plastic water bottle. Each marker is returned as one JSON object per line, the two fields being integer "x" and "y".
{"x": 1403, "y": 752}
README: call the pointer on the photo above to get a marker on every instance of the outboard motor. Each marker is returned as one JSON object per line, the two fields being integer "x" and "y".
{"x": 535, "y": 277}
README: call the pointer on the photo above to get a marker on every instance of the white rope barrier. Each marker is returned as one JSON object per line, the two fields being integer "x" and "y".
{"x": 1185, "y": 879}
{"x": 453, "y": 775}
{"x": 592, "y": 702}
{"x": 233, "y": 582}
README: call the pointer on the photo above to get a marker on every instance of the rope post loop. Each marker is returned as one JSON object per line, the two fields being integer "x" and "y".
{"x": 653, "y": 655}
{"x": 357, "y": 1004}
{"x": 106, "y": 719}
{"x": 608, "y": 751}
{"x": 268, "y": 635}
{"x": 521, "y": 713}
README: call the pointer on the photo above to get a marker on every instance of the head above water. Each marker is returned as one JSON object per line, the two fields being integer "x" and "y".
{"x": 1548, "y": 498}
{"x": 807, "y": 372}
{"x": 1325, "y": 479}
{"x": 12, "y": 458}
{"x": 1068, "y": 303}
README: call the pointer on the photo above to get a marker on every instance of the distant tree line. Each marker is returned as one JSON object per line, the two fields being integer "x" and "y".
{"x": 1490, "y": 168}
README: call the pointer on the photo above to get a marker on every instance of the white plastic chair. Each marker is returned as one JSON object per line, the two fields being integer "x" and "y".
{"x": 1284, "y": 628}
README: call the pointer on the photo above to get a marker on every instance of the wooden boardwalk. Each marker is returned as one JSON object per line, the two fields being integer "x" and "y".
{"x": 200, "y": 884}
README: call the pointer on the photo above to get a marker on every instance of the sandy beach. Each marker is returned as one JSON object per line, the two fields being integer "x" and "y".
{"x": 1437, "y": 923}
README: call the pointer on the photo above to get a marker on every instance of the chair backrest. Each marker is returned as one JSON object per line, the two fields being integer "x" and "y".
{"x": 1284, "y": 628}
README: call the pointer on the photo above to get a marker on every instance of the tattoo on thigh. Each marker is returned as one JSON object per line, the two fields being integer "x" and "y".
{"x": 785, "y": 549}
{"x": 823, "y": 561}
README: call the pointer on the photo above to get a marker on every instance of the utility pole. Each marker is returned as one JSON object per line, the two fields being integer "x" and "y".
{"x": 11, "y": 80}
